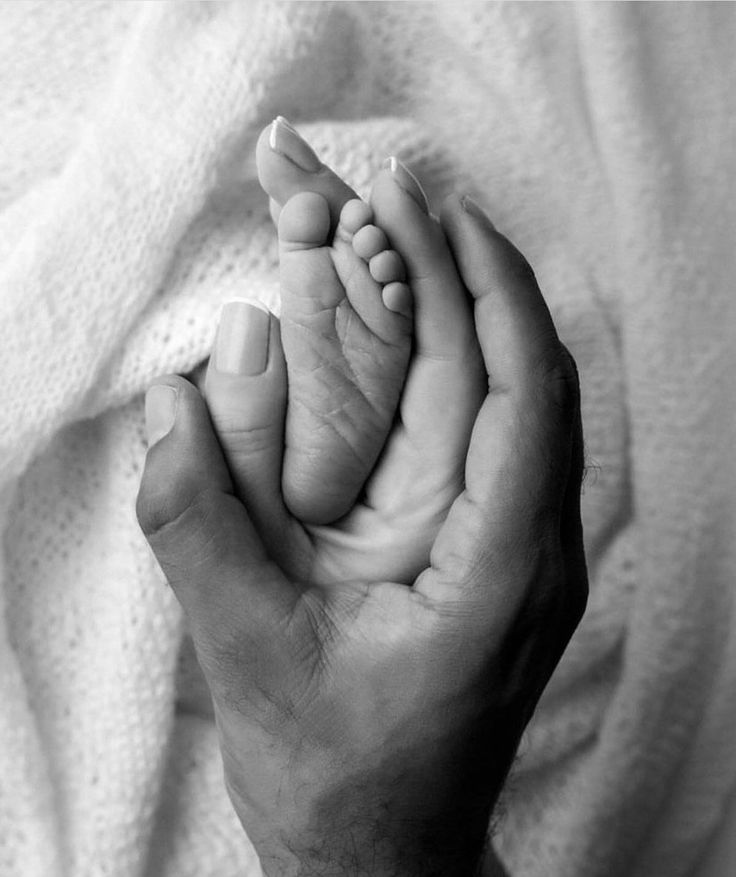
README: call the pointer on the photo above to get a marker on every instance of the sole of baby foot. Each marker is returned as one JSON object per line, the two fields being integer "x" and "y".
{"x": 346, "y": 329}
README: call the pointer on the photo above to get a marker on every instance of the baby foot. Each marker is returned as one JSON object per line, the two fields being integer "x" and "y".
{"x": 346, "y": 324}
{"x": 388, "y": 535}
{"x": 346, "y": 331}
{"x": 422, "y": 468}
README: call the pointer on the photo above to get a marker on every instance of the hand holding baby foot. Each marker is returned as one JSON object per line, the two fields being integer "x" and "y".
{"x": 346, "y": 329}
{"x": 367, "y": 726}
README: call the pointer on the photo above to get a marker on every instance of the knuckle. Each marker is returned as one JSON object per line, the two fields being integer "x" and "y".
{"x": 245, "y": 442}
{"x": 162, "y": 510}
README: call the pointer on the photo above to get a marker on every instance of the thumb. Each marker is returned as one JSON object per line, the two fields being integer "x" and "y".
{"x": 246, "y": 394}
{"x": 199, "y": 531}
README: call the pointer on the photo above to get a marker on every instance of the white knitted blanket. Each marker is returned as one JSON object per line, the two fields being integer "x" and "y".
{"x": 601, "y": 139}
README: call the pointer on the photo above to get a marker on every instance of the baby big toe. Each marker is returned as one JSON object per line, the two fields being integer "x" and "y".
{"x": 304, "y": 222}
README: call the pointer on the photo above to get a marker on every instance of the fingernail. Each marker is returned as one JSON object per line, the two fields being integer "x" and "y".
{"x": 241, "y": 345}
{"x": 284, "y": 139}
{"x": 408, "y": 182}
{"x": 161, "y": 401}
{"x": 472, "y": 209}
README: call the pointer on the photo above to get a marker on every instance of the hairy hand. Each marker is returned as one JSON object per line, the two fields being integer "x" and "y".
{"x": 366, "y": 725}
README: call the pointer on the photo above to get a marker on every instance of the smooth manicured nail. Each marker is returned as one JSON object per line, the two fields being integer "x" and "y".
{"x": 161, "y": 403}
{"x": 472, "y": 209}
{"x": 408, "y": 182}
{"x": 284, "y": 139}
{"x": 241, "y": 345}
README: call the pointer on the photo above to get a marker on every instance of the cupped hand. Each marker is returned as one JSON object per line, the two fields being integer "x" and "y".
{"x": 367, "y": 726}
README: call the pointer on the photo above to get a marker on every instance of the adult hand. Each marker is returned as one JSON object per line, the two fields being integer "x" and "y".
{"x": 367, "y": 726}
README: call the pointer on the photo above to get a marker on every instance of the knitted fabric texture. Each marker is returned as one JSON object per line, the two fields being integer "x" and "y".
{"x": 600, "y": 139}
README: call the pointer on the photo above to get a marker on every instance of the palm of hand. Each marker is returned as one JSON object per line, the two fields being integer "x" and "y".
{"x": 390, "y": 541}
{"x": 364, "y": 674}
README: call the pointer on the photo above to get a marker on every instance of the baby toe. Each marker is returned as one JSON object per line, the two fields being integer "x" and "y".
{"x": 386, "y": 267}
{"x": 369, "y": 241}
{"x": 304, "y": 222}
{"x": 397, "y": 297}
{"x": 354, "y": 215}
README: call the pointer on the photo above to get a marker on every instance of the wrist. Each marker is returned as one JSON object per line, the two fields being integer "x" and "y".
{"x": 354, "y": 854}
{"x": 336, "y": 838}
{"x": 344, "y": 844}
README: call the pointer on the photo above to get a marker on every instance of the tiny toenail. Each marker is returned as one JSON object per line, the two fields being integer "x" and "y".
{"x": 474, "y": 210}
{"x": 284, "y": 139}
{"x": 241, "y": 345}
{"x": 160, "y": 409}
{"x": 408, "y": 182}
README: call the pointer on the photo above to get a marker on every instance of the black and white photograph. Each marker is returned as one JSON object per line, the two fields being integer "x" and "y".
{"x": 367, "y": 480}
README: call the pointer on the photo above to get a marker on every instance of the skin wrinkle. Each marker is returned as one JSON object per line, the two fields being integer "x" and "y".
{"x": 337, "y": 372}
{"x": 343, "y": 425}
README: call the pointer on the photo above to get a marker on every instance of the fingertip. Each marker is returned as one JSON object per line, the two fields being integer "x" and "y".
{"x": 399, "y": 173}
{"x": 451, "y": 206}
{"x": 472, "y": 209}
{"x": 247, "y": 407}
{"x": 461, "y": 215}
{"x": 161, "y": 403}
{"x": 247, "y": 361}
{"x": 199, "y": 530}
{"x": 242, "y": 342}
{"x": 388, "y": 193}
{"x": 168, "y": 399}
{"x": 264, "y": 139}
{"x": 183, "y": 455}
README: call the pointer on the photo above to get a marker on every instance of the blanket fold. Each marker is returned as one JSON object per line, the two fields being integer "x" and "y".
{"x": 599, "y": 137}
